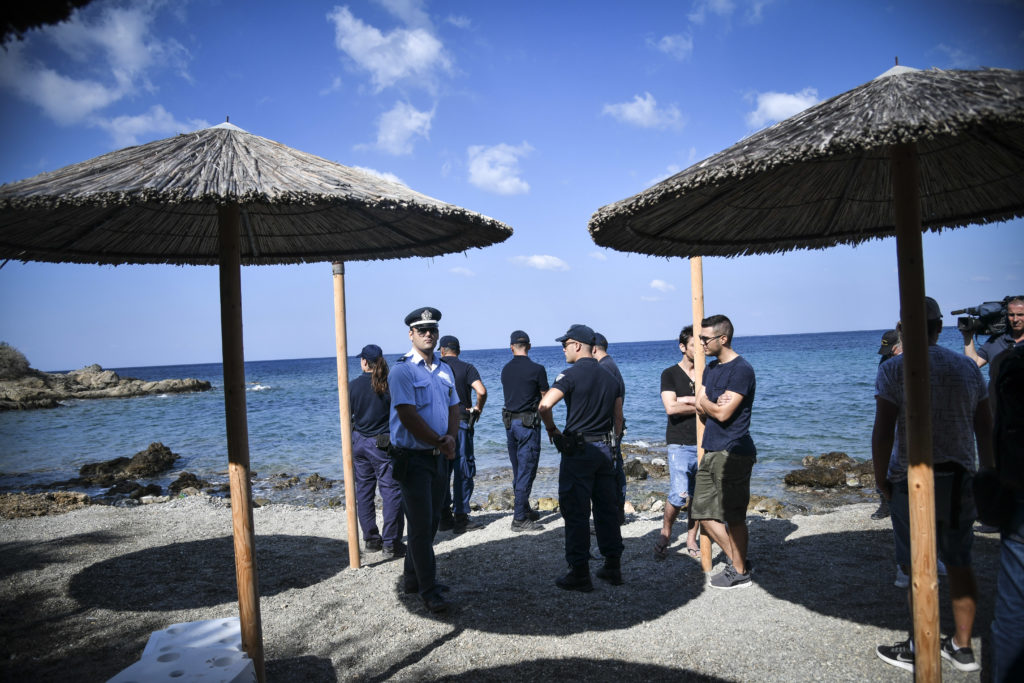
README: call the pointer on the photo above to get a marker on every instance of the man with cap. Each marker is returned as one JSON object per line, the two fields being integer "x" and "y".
{"x": 457, "y": 495}
{"x": 424, "y": 424}
{"x": 891, "y": 346}
{"x": 593, "y": 422}
{"x": 523, "y": 382}
{"x": 961, "y": 419}
{"x": 606, "y": 362}
{"x": 370, "y": 403}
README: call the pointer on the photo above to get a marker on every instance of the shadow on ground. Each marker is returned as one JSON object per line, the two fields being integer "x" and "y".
{"x": 153, "y": 579}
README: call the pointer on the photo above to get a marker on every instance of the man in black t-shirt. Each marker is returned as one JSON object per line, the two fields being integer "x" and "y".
{"x": 677, "y": 395}
{"x": 524, "y": 383}
{"x": 593, "y": 422}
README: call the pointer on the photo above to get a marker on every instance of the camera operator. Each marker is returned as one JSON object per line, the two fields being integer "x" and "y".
{"x": 1013, "y": 336}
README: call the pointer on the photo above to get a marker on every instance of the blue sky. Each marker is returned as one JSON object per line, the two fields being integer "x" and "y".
{"x": 534, "y": 113}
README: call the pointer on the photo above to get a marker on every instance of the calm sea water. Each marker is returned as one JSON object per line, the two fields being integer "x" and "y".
{"x": 814, "y": 395}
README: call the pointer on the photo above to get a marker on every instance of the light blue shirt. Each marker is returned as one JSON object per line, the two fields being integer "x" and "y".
{"x": 430, "y": 388}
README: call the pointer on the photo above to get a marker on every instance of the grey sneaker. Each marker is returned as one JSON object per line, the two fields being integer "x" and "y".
{"x": 960, "y": 657}
{"x": 901, "y": 654}
{"x": 730, "y": 578}
{"x": 526, "y": 525}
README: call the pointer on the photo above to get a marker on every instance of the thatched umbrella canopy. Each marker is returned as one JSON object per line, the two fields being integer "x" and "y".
{"x": 823, "y": 177}
{"x": 224, "y": 196}
{"x": 909, "y": 151}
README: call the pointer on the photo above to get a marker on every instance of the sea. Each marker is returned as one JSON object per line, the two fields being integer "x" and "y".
{"x": 815, "y": 394}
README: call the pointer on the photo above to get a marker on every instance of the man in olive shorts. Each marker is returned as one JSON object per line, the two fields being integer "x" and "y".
{"x": 723, "y": 477}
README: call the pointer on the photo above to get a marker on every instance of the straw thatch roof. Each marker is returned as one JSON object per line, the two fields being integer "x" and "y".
{"x": 157, "y": 203}
{"x": 822, "y": 177}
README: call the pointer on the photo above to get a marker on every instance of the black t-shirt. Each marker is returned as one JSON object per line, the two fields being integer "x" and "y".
{"x": 370, "y": 410}
{"x": 464, "y": 375}
{"x": 681, "y": 429}
{"x": 611, "y": 366}
{"x": 734, "y": 434}
{"x": 590, "y": 395}
{"x": 522, "y": 382}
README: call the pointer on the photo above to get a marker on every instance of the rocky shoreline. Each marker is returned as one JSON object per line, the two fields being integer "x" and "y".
{"x": 36, "y": 389}
{"x": 824, "y": 483}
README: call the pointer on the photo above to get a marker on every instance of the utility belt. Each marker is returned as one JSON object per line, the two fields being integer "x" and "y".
{"x": 529, "y": 418}
{"x": 570, "y": 442}
{"x": 400, "y": 459}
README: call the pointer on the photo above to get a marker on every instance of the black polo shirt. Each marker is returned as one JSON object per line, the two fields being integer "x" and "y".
{"x": 370, "y": 411}
{"x": 590, "y": 395}
{"x": 522, "y": 382}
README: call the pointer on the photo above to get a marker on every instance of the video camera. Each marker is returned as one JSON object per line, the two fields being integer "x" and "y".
{"x": 988, "y": 318}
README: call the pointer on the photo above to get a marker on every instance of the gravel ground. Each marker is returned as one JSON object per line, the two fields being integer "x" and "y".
{"x": 81, "y": 592}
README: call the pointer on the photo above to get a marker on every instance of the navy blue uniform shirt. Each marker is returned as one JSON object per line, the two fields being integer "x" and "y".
{"x": 610, "y": 366}
{"x": 522, "y": 382}
{"x": 590, "y": 395}
{"x": 369, "y": 409}
{"x": 464, "y": 375}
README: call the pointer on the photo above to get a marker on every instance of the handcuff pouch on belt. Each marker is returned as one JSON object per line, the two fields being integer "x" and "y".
{"x": 529, "y": 418}
{"x": 383, "y": 440}
{"x": 568, "y": 443}
{"x": 400, "y": 459}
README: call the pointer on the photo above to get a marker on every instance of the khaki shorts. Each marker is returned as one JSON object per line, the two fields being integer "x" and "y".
{"x": 723, "y": 487}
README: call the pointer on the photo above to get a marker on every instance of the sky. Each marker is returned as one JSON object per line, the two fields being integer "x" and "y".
{"x": 533, "y": 113}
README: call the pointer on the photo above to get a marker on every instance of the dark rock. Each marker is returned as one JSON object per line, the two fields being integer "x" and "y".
{"x": 317, "y": 483}
{"x": 831, "y": 471}
{"x": 13, "y": 505}
{"x": 144, "y": 464}
{"x": 97, "y": 469}
{"x": 502, "y": 499}
{"x": 817, "y": 477}
{"x": 152, "y": 461}
{"x": 833, "y": 459}
{"x": 285, "y": 482}
{"x": 187, "y": 480}
{"x": 635, "y": 470}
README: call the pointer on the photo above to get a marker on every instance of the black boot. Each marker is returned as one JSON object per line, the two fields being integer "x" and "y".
{"x": 577, "y": 579}
{"x": 447, "y": 520}
{"x": 463, "y": 523}
{"x": 611, "y": 571}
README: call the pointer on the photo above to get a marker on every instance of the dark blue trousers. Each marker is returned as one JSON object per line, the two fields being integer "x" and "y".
{"x": 372, "y": 469}
{"x": 422, "y": 493}
{"x": 461, "y": 471}
{"x": 524, "y": 454}
{"x": 588, "y": 477}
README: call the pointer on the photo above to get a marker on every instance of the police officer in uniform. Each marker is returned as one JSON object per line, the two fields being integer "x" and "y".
{"x": 593, "y": 425}
{"x": 424, "y": 422}
{"x": 370, "y": 402}
{"x": 524, "y": 383}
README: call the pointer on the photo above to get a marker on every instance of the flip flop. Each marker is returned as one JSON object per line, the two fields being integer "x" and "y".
{"x": 694, "y": 553}
{"x": 661, "y": 549}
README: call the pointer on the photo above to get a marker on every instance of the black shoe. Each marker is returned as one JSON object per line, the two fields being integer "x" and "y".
{"x": 411, "y": 585}
{"x": 533, "y": 515}
{"x": 611, "y": 571}
{"x": 395, "y": 551}
{"x": 526, "y": 525}
{"x": 574, "y": 582}
{"x": 447, "y": 521}
{"x": 463, "y": 524}
{"x": 373, "y": 545}
{"x": 436, "y": 603}
{"x": 883, "y": 510}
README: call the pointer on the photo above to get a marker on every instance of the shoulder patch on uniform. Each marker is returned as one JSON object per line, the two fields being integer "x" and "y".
{"x": 402, "y": 359}
{"x": 560, "y": 376}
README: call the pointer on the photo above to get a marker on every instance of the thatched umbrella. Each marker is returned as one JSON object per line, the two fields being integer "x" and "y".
{"x": 226, "y": 197}
{"x": 908, "y": 151}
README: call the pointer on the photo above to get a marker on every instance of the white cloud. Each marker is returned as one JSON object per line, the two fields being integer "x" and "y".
{"x": 670, "y": 171}
{"x": 115, "y": 45}
{"x": 459, "y": 270}
{"x": 541, "y": 262}
{"x": 411, "y": 12}
{"x": 662, "y": 286}
{"x": 496, "y": 168}
{"x": 396, "y": 128}
{"x": 957, "y": 58}
{"x": 462, "y": 22}
{"x": 676, "y": 46}
{"x": 644, "y": 112}
{"x": 381, "y": 174}
{"x": 702, "y": 8}
{"x": 776, "y": 106}
{"x": 155, "y": 124}
{"x": 335, "y": 86}
{"x": 598, "y": 256}
{"x": 402, "y": 54}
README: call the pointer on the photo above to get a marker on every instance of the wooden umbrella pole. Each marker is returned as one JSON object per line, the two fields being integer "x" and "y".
{"x": 917, "y": 403}
{"x": 230, "y": 226}
{"x": 697, "y": 305}
{"x": 341, "y": 339}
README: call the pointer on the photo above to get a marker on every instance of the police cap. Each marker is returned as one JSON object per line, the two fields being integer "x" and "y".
{"x": 423, "y": 317}
{"x": 519, "y": 337}
{"x": 370, "y": 353}
{"x": 580, "y": 333}
{"x": 449, "y": 342}
{"x": 599, "y": 340}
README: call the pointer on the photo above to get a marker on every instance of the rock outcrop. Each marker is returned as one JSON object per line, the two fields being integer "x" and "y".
{"x": 44, "y": 390}
{"x": 831, "y": 471}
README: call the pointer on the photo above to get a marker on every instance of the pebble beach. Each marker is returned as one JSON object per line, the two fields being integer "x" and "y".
{"x": 83, "y": 591}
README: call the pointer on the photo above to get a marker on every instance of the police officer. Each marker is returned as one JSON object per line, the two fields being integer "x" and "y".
{"x": 457, "y": 496}
{"x": 609, "y": 365}
{"x": 424, "y": 423}
{"x": 593, "y": 424}
{"x": 370, "y": 403}
{"x": 523, "y": 382}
